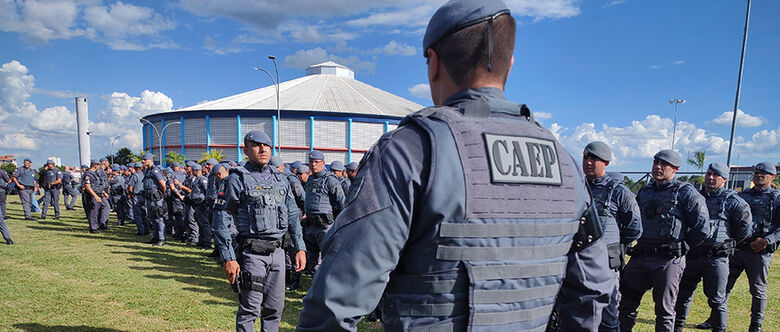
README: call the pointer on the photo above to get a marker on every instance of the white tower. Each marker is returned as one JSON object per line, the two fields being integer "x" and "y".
{"x": 82, "y": 119}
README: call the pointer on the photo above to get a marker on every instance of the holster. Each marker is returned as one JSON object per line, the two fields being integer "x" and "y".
{"x": 323, "y": 220}
{"x": 615, "y": 254}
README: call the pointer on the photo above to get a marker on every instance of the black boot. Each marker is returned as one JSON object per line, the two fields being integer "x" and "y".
{"x": 705, "y": 325}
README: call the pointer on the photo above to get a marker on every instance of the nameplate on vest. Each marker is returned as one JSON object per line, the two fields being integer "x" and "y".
{"x": 520, "y": 159}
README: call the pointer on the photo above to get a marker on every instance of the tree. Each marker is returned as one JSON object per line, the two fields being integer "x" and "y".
{"x": 634, "y": 186}
{"x": 174, "y": 157}
{"x": 138, "y": 156}
{"x": 123, "y": 156}
{"x": 9, "y": 168}
{"x": 213, "y": 154}
{"x": 698, "y": 162}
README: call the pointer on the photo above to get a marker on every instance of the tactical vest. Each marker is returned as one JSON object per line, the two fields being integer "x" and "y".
{"x": 94, "y": 181}
{"x": 67, "y": 180}
{"x": 138, "y": 185}
{"x": 26, "y": 176}
{"x": 262, "y": 210}
{"x": 198, "y": 193}
{"x": 117, "y": 185}
{"x": 502, "y": 204}
{"x": 151, "y": 188}
{"x": 762, "y": 205}
{"x": 661, "y": 215}
{"x": 181, "y": 178}
{"x": 297, "y": 189}
{"x": 49, "y": 176}
{"x": 318, "y": 193}
{"x": 602, "y": 194}
{"x": 3, "y": 183}
{"x": 716, "y": 205}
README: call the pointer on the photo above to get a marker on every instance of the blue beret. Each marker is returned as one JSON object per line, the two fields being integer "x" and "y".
{"x": 212, "y": 161}
{"x": 302, "y": 169}
{"x": 599, "y": 150}
{"x": 765, "y": 167}
{"x": 27, "y": 159}
{"x": 103, "y": 160}
{"x": 719, "y": 168}
{"x": 84, "y": 166}
{"x": 352, "y": 166}
{"x": 459, "y": 14}
{"x": 147, "y": 156}
{"x": 94, "y": 162}
{"x": 275, "y": 161}
{"x": 130, "y": 164}
{"x": 669, "y": 156}
{"x": 190, "y": 163}
{"x": 116, "y": 168}
{"x": 297, "y": 164}
{"x": 168, "y": 170}
{"x": 138, "y": 164}
{"x": 124, "y": 168}
{"x": 177, "y": 164}
{"x": 217, "y": 167}
{"x": 316, "y": 155}
{"x": 257, "y": 137}
{"x": 336, "y": 166}
{"x": 196, "y": 167}
{"x": 50, "y": 162}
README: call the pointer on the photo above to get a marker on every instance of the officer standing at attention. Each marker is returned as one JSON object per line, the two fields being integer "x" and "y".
{"x": 4, "y": 181}
{"x": 175, "y": 182}
{"x": 351, "y": 170}
{"x": 92, "y": 196}
{"x": 259, "y": 200}
{"x": 465, "y": 216}
{"x": 154, "y": 194}
{"x": 754, "y": 255}
{"x": 68, "y": 190}
{"x": 292, "y": 278}
{"x": 105, "y": 208}
{"x": 674, "y": 217}
{"x": 731, "y": 222}
{"x": 337, "y": 168}
{"x": 51, "y": 181}
{"x": 196, "y": 198}
{"x": 24, "y": 178}
{"x": 619, "y": 214}
{"x": 135, "y": 191}
{"x": 324, "y": 201}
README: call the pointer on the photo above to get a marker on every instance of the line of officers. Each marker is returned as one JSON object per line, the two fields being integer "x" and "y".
{"x": 683, "y": 236}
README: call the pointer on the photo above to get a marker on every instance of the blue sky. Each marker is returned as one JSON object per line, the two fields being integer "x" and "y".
{"x": 590, "y": 69}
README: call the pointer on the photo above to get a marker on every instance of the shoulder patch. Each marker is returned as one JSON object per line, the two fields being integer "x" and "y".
{"x": 521, "y": 159}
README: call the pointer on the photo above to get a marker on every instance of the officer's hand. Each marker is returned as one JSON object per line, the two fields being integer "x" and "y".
{"x": 20, "y": 186}
{"x": 304, "y": 217}
{"x": 759, "y": 244}
{"x": 231, "y": 270}
{"x": 300, "y": 260}
{"x": 98, "y": 199}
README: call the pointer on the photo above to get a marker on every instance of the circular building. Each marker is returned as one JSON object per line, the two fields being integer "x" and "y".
{"x": 326, "y": 110}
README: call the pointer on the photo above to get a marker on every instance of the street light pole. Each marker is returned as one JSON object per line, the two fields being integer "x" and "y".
{"x": 278, "y": 114}
{"x": 676, "y": 103}
{"x": 159, "y": 135}
{"x": 739, "y": 84}
{"x": 113, "y": 139}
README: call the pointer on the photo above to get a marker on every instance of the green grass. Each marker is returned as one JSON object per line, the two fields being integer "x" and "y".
{"x": 59, "y": 277}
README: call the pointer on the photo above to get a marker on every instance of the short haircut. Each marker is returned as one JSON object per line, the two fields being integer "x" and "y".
{"x": 465, "y": 52}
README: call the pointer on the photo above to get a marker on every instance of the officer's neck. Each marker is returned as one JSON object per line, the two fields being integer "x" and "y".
{"x": 710, "y": 190}
{"x": 762, "y": 188}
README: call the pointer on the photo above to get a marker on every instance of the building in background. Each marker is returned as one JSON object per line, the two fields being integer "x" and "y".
{"x": 7, "y": 159}
{"x": 741, "y": 177}
{"x": 326, "y": 110}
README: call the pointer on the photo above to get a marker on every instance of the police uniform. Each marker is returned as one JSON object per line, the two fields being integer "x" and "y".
{"x": 51, "y": 195}
{"x": 69, "y": 193}
{"x": 117, "y": 190}
{"x": 324, "y": 200}
{"x": 353, "y": 166}
{"x": 259, "y": 200}
{"x": 463, "y": 218}
{"x": 674, "y": 217}
{"x": 197, "y": 200}
{"x": 765, "y": 208}
{"x": 26, "y": 178}
{"x": 138, "y": 201}
{"x": 293, "y": 277}
{"x": 343, "y": 180}
{"x": 92, "y": 207}
{"x": 105, "y": 208}
{"x": 155, "y": 204}
{"x": 176, "y": 179}
{"x": 211, "y": 196}
{"x": 731, "y": 222}
{"x": 5, "y": 182}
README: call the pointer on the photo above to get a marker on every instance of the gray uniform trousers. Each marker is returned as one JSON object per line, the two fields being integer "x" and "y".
{"x": 203, "y": 220}
{"x": 312, "y": 237}
{"x": 193, "y": 230}
{"x": 713, "y": 271}
{"x": 105, "y": 212}
{"x": 26, "y": 196}
{"x": 127, "y": 206}
{"x": 3, "y": 202}
{"x": 3, "y": 227}
{"x": 642, "y": 273}
{"x": 93, "y": 209}
{"x": 756, "y": 266}
{"x": 51, "y": 197}
{"x": 267, "y": 303}
{"x": 156, "y": 218}
{"x": 139, "y": 214}
{"x": 609, "y": 316}
{"x": 69, "y": 192}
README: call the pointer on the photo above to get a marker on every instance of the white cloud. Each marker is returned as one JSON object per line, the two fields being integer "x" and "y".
{"x": 55, "y": 119}
{"x": 211, "y": 45}
{"x": 40, "y": 21}
{"x": 743, "y": 119}
{"x": 123, "y": 105}
{"x": 15, "y": 88}
{"x": 542, "y": 115}
{"x": 305, "y": 58}
{"x": 541, "y": 9}
{"x": 615, "y": 3}
{"x": 121, "y": 25}
{"x": 678, "y": 62}
{"x": 396, "y": 48}
{"x": 422, "y": 90}
{"x": 18, "y": 141}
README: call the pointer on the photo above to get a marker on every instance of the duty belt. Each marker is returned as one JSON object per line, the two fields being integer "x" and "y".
{"x": 672, "y": 250}
{"x": 723, "y": 249}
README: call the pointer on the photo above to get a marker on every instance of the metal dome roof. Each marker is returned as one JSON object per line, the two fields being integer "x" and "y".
{"x": 328, "y": 87}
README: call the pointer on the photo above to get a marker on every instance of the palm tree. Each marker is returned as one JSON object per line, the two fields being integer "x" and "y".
{"x": 173, "y": 156}
{"x": 213, "y": 154}
{"x": 698, "y": 162}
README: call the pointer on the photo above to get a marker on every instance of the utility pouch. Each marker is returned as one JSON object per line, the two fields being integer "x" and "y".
{"x": 252, "y": 282}
{"x": 262, "y": 247}
{"x": 323, "y": 220}
{"x": 615, "y": 254}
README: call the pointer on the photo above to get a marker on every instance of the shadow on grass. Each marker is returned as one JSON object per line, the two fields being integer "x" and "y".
{"x": 40, "y": 327}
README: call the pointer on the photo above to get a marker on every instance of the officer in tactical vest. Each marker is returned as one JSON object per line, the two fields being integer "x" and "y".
{"x": 337, "y": 168}
{"x": 292, "y": 278}
{"x": 731, "y": 222}
{"x": 175, "y": 182}
{"x": 464, "y": 218}
{"x": 196, "y": 198}
{"x": 351, "y": 170}
{"x": 619, "y": 214}
{"x": 51, "y": 181}
{"x": 5, "y": 181}
{"x": 324, "y": 201}
{"x": 154, "y": 194}
{"x": 135, "y": 195}
{"x": 93, "y": 195}
{"x": 117, "y": 189}
{"x": 674, "y": 218}
{"x": 105, "y": 208}
{"x": 69, "y": 192}
{"x": 211, "y": 196}
{"x": 259, "y": 200}
{"x": 754, "y": 255}
{"x": 128, "y": 204}
{"x": 24, "y": 178}
{"x": 193, "y": 232}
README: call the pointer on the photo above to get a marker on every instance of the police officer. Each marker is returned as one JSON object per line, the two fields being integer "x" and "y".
{"x": 193, "y": 231}
{"x": 136, "y": 196}
{"x": 337, "y": 168}
{"x": 459, "y": 221}
{"x": 92, "y": 196}
{"x": 196, "y": 198}
{"x": 68, "y": 189}
{"x": 211, "y": 195}
{"x": 117, "y": 187}
{"x": 51, "y": 180}
{"x": 24, "y": 178}
{"x": 302, "y": 173}
{"x": 351, "y": 170}
{"x": 754, "y": 255}
{"x": 176, "y": 198}
{"x": 154, "y": 194}
{"x": 5, "y": 180}
{"x": 674, "y": 217}
{"x": 260, "y": 201}
{"x": 105, "y": 208}
{"x": 292, "y": 278}
{"x": 619, "y": 214}
{"x": 731, "y": 222}
{"x": 324, "y": 201}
